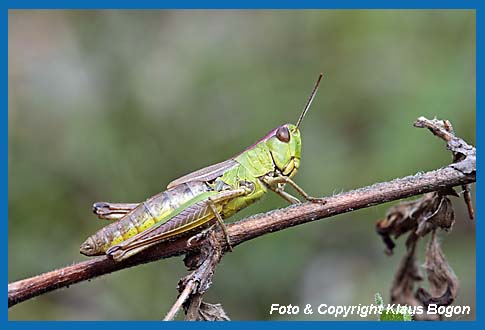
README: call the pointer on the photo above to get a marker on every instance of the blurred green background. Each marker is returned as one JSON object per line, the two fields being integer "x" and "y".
{"x": 112, "y": 105}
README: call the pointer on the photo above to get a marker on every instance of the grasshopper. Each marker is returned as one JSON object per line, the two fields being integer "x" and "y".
{"x": 204, "y": 197}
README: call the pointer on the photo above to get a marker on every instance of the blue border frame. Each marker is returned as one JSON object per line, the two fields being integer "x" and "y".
{"x": 248, "y": 4}
{"x": 214, "y": 4}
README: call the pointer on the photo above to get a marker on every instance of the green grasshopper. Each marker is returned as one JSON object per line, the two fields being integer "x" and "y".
{"x": 204, "y": 197}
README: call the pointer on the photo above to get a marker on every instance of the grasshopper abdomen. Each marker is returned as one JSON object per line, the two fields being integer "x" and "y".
{"x": 145, "y": 215}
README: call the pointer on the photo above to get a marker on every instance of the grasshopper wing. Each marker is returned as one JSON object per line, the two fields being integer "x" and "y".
{"x": 192, "y": 215}
{"x": 205, "y": 174}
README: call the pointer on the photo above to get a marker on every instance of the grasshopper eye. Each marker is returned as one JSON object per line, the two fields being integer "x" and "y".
{"x": 283, "y": 134}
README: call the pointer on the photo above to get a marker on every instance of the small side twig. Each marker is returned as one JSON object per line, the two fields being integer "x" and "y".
{"x": 172, "y": 313}
{"x": 461, "y": 151}
{"x": 193, "y": 286}
{"x": 468, "y": 201}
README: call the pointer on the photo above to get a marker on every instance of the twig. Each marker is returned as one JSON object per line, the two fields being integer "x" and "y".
{"x": 209, "y": 256}
{"x": 468, "y": 201}
{"x": 456, "y": 174}
{"x": 194, "y": 285}
{"x": 458, "y": 147}
{"x": 180, "y": 301}
{"x": 422, "y": 217}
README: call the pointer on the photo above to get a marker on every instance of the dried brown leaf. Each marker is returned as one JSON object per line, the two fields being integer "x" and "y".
{"x": 442, "y": 216}
{"x": 212, "y": 312}
{"x": 433, "y": 210}
{"x": 402, "y": 290}
{"x": 442, "y": 279}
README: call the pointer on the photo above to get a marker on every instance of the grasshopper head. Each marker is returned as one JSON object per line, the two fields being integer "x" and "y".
{"x": 284, "y": 142}
{"x": 285, "y": 148}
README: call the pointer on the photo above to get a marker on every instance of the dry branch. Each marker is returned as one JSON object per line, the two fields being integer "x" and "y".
{"x": 457, "y": 174}
{"x": 420, "y": 218}
{"x": 193, "y": 286}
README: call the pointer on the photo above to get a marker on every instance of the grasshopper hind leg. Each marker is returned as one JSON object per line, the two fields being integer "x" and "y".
{"x": 112, "y": 211}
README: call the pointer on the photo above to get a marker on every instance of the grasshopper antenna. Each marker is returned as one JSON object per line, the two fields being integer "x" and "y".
{"x": 310, "y": 100}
